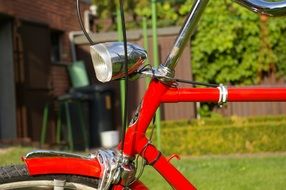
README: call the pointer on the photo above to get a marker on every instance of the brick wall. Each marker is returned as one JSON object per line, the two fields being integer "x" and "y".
{"x": 57, "y": 14}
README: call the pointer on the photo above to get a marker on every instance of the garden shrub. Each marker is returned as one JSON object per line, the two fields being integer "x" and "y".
{"x": 225, "y": 136}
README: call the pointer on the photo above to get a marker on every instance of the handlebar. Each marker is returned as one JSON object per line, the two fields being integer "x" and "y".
{"x": 264, "y": 7}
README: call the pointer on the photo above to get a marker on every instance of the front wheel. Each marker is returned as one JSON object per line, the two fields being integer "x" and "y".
{"x": 17, "y": 177}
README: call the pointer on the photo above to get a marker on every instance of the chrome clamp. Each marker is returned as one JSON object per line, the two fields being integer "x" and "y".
{"x": 162, "y": 73}
{"x": 223, "y": 95}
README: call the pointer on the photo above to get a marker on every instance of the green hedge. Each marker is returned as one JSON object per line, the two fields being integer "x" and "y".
{"x": 224, "y": 136}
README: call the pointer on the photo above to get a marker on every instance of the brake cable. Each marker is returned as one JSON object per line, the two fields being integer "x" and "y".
{"x": 124, "y": 126}
{"x": 81, "y": 23}
{"x": 195, "y": 83}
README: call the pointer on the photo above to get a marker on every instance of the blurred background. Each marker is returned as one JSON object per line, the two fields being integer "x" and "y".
{"x": 50, "y": 98}
{"x": 47, "y": 81}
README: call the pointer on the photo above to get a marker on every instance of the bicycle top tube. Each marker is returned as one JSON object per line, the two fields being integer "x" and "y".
{"x": 265, "y": 7}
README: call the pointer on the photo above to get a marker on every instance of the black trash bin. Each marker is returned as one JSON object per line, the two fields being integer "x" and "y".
{"x": 101, "y": 114}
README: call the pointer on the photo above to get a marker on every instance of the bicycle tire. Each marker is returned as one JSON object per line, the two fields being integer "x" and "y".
{"x": 17, "y": 177}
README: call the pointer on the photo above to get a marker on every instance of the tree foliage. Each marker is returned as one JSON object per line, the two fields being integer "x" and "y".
{"x": 231, "y": 44}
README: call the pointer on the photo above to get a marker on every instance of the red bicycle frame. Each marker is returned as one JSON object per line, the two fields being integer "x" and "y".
{"x": 136, "y": 141}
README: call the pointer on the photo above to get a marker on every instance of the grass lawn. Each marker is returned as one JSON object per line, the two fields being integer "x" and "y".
{"x": 235, "y": 172}
{"x": 12, "y": 155}
{"x": 243, "y": 172}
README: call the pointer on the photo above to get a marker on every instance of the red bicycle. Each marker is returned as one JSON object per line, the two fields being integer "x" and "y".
{"x": 116, "y": 169}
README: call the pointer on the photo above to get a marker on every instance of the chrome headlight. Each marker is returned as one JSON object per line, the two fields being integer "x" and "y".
{"x": 108, "y": 59}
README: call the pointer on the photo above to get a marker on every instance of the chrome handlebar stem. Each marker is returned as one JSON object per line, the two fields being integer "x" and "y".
{"x": 185, "y": 34}
{"x": 259, "y": 6}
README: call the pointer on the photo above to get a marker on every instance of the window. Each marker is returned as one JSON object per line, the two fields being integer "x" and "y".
{"x": 56, "y": 46}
